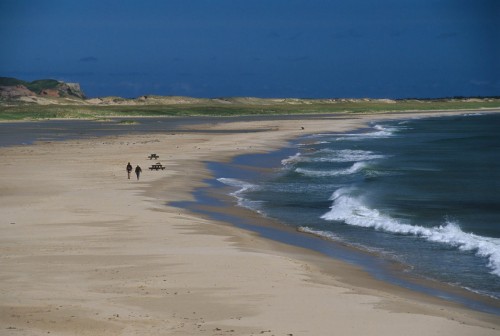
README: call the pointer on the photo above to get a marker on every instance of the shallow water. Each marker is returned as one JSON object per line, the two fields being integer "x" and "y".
{"x": 28, "y": 132}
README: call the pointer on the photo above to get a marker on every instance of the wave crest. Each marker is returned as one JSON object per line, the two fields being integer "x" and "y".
{"x": 352, "y": 211}
{"x": 242, "y": 188}
{"x": 356, "y": 167}
{"x": 333, "y": 155}
{"x": 380, "y": 132}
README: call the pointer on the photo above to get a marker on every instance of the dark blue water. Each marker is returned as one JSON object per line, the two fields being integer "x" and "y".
{"x": 423, "y": 192}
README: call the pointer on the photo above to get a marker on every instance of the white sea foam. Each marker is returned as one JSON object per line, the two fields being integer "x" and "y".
{"x": 356, "y": 167}
{"x": 333, "y": 237}
{"x": 353, "y": 211}
{"x": 319, "y": 135}
{"x": 326, "y": 234}
{"x": 321, "y": 142}
{"x": 347, "y": 155}
{"x": 292, "y": 159}
{"x": 332, "y": 155}
{"x": 380, "y": 132}
{"x": 242, "y": 187}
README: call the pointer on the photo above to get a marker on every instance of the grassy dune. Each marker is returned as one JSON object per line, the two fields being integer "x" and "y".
{"x": 238, "y": 107}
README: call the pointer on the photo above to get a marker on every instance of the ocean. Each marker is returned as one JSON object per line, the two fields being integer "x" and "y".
{"x": 422, "y": 193}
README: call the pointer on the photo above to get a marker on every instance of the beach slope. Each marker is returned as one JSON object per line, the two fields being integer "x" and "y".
{"x": 86, "y": 251}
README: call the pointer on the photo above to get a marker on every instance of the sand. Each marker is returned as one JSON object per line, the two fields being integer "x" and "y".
{"x": 85, "y": 251}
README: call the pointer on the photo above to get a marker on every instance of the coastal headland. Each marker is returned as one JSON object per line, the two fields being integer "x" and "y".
{"x": 86, "y": 251}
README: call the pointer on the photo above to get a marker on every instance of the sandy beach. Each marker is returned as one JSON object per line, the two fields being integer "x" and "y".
{"x": 86, "y": 251}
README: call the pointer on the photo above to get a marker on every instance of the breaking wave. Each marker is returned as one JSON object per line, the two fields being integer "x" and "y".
{"x": 352, "y": 211}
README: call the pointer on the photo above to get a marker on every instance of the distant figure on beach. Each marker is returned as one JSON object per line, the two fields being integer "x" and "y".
{"x": 138, "y": 171}
{"x": 129, "y": 170}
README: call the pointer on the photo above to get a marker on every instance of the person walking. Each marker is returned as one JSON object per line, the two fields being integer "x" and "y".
{"x": 129, "y": 170}
{"x": 138, "y": 171}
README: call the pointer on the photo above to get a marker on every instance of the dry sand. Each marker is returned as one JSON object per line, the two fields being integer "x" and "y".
{"x": 85, "y": 251}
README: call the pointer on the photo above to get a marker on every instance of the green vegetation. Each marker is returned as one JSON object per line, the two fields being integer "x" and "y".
{"x": 216, "y": 108}
{"x": 7, "y": 81}
{"x": 35, "y": 86}
{"x": 42, "y": 84}
{"x": 70, "y": 103}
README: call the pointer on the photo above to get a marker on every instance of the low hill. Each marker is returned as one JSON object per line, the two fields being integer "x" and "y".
{"x": 16, "y": 89}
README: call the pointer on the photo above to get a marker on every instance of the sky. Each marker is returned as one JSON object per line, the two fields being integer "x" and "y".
{"x": 258, "y": 48}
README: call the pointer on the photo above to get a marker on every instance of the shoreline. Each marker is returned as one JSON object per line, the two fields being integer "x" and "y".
{"x": 213, "y": 205}
{"x": 86, "y": 251}
{"x": 212, "y": 202}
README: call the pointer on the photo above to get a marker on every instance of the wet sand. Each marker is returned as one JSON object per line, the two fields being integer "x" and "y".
{"x": 85, "y": 251}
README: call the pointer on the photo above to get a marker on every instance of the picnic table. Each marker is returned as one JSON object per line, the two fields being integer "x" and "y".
{"x": 157, "y": 166}
{"x": 153, "y": 156}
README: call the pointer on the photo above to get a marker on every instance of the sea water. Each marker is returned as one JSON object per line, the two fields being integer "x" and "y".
{"x": 422, "y": 192}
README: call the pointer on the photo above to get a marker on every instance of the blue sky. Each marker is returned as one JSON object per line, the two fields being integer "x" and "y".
{"x": 263, "y": 48}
